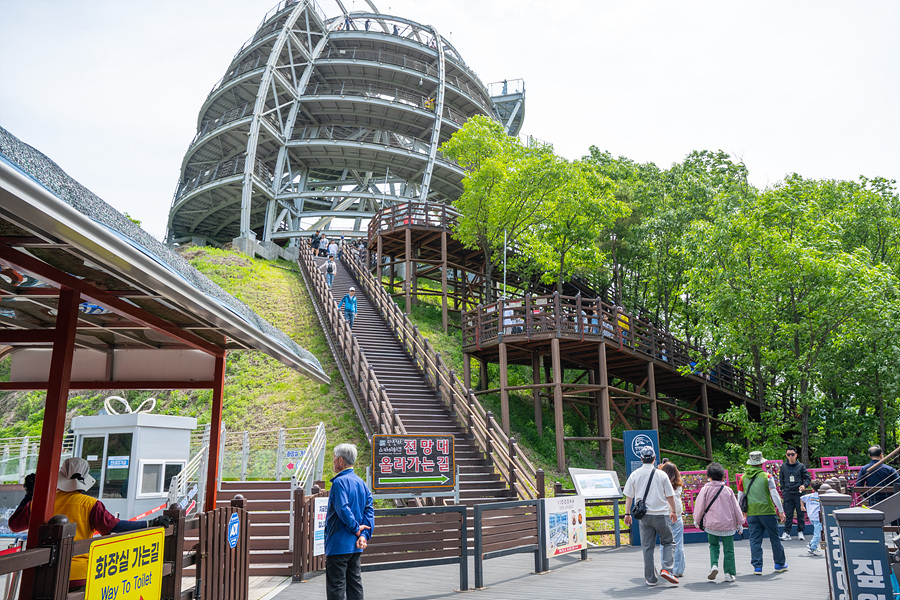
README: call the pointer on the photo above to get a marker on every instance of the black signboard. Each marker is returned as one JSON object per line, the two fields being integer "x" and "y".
{"x": 413, "y": 462}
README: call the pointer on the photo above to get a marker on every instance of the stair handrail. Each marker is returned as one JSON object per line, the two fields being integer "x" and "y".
{"x": 386, "y": 419}
{"x": 179, "y": 487}
{"x": 309, "y": 467}
{"x": 518, "y": 472}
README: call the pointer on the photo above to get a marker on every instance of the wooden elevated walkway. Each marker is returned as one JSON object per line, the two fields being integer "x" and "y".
{"x": 623, "y": 365}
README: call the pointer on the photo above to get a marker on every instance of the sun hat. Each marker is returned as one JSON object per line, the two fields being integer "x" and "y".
{"x": 75, "y": 475}
{"x": 647, "y": 452}
{"x": 756, "y": 458}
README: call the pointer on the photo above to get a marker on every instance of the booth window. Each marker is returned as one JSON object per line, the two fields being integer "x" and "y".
{"x": 155, "y": 476}
{"x": 92, "y": 451}
{"x": 118, "y": 465}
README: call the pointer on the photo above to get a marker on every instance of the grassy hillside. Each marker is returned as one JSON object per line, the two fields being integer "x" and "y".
{"x": 260, "y": 392}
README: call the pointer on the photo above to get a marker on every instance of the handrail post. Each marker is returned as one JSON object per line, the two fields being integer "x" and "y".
{"x": 539, "y": 481}
{"x": 173, "y": 553}
{"x": 52, "y": 580}
{"x": 512, "y": 466}
{"x": 299, "y": 534}
{"x": 490, "y": 437}
{"x": 470, "y": 415}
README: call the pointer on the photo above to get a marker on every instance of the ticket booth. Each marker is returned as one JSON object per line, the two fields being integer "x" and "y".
{"x": 133, "y": 457}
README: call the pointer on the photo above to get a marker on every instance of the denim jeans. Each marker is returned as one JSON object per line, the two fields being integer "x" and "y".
{"x": 349, "y": 316}
{"x": 816, "y": 536}
{"x": 678, "y": 534}
{"x": 329, "y": 278}
{"x": 760, "y": 526}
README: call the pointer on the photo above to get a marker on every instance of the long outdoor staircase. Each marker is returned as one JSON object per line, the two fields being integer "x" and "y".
{"x": 418, "y": 405}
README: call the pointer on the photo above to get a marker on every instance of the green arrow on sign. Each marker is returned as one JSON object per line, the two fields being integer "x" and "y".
{"x": 422, "y": 479}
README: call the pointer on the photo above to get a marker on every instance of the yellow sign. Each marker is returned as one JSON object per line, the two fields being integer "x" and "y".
{"x": 126, "y": 567}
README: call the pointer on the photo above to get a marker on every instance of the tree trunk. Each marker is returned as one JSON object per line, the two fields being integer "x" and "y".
{"x": 804, "y": 423}
{"x": 488, "y": 279}
{"x": 562, "y": 269}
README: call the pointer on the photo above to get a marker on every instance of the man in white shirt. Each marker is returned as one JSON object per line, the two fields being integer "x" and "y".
{"x": 660, "y": 501}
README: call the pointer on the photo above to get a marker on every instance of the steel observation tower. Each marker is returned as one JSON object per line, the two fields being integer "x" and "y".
{"x": 320, "y": 121}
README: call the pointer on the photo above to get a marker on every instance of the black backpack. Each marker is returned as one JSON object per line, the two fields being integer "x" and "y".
{"x": 330, "y": 268}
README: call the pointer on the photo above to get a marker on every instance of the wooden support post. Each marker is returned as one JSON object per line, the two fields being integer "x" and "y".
{"x": 558, "y": 406}
{"x": 707, "y": 433}
{"x": 504, "y": 393}
{"x": 536, "y": 393}
{"x": 378, "y": 259}
{"x": 444, "y": 268}
{"x": 482, "y": 374}
{"x": 54, "y": 413}
{"x": 467, "y": 370}
{"x": 215, "y": 434}
{"x": 651, "y": 387}
{"x": 407, "y": 272}
{"x": 605, "y": 429}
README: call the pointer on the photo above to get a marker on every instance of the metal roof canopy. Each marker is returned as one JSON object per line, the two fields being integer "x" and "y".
{"x": 88, "y": 300}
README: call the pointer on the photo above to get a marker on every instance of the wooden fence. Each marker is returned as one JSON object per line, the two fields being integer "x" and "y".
{"x": 222, "y": 572}
{"x": 503, "y": 528}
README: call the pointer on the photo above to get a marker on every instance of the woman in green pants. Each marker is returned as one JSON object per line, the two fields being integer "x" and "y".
{"x": 716, "y": 511}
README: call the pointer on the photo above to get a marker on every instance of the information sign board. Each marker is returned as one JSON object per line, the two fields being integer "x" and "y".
{"x": 593, "y": 483}
{"x": 319, "y": 516}
{"x": 565, "y": 525}
{"x": 829, "y": 503}
{"x": 126, "y": 567}
{"x": 634, "y": 441}
{"x": 413, "y": 462}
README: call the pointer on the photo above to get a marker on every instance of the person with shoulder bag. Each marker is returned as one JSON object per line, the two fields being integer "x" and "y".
{"x": 716, "y": 512}
{"x": 651, "y": 508}
{"x": 759, "y": 501}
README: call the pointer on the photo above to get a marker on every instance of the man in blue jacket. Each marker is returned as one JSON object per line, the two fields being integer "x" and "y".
{"x": 348, "y": 302}
{"x": 884, "y": 475}
{"x": 348, "y": 527}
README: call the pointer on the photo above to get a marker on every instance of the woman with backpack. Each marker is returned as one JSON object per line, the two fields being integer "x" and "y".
{"x": 716, "y": 511}
{"x": 761, "y": 504}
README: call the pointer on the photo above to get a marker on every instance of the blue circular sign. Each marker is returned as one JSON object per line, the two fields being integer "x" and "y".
{"x": 234, "y": 529}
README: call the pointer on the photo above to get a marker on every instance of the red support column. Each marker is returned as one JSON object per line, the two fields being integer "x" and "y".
{"x": 215, "y": 435}
{"x": 54, "y": 413}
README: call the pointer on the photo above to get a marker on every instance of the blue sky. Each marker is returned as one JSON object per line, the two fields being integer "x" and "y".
{"x": 110, "y": 89}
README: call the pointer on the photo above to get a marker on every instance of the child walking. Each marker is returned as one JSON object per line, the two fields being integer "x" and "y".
{"x": 811, "y": 506}
{"x": 716, "y": 511}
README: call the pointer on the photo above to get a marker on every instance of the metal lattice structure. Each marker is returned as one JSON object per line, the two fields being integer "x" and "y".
{"x": 320, "y": 121}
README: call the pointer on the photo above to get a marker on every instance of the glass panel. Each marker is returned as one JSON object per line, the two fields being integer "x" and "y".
{"x": 92, "y": 451}
{"x": 150, "y": 478}
{"x": 118, "y": 465}
{"x": 172, "y": 469}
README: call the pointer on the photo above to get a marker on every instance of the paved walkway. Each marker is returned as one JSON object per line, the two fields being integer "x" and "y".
{"x": 608, "y": 573}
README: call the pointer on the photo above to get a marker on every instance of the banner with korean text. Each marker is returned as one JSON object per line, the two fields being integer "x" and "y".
{"x": 413, "y": 462}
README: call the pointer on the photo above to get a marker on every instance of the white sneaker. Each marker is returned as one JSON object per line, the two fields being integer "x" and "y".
{"x": 729, "y": 577}
{"x": 800, "y": 535}
{"x": 785, "y": 536}
{"x": 713, "y": 572}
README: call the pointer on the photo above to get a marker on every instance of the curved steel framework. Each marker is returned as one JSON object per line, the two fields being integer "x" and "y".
{"x": 319, "y": 122}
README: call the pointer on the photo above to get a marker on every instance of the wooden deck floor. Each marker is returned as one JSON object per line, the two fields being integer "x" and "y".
{"x": 608, "y": 573}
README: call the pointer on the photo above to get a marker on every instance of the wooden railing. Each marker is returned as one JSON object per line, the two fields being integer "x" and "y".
{"x": 370, "y": 392}
{"x": 573, "y": 317}
{"x": 518, "y": 472}
{"x": 419, "y": 215}
{"x": 222, "y": 572}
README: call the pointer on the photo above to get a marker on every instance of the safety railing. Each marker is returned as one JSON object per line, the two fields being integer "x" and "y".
{"x": 371, "y": 393}
{"x": 383, "y": 92}
{"x": 364, "y": 135}
{"x": 19, "y": 455}
{"x": 221, "y": 170}
{"x": 270, "y": 453}
{"x": 519, "y": 473}
{"x": 311, "y": 464}
{"x": 573, "y": 317}
{"x": 189, "y": 485}
{"x": 418, "y": 215}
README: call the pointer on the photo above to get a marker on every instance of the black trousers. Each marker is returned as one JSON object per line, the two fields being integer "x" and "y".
{"x": 792, "y": 505}
{"x": 343, "y": 577}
